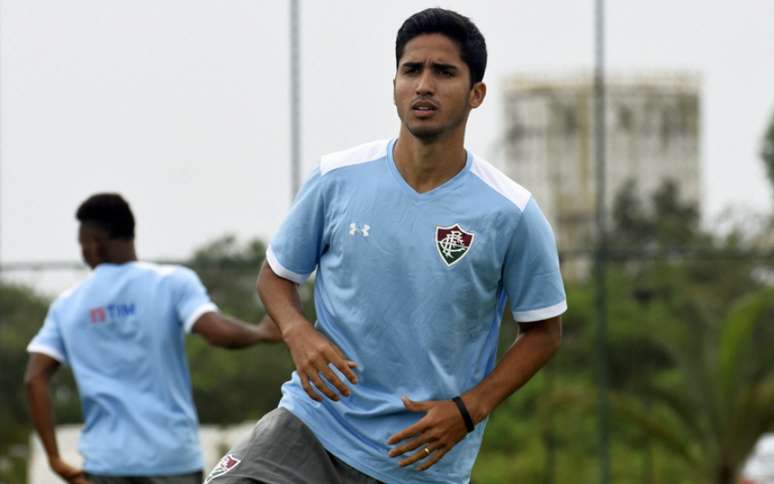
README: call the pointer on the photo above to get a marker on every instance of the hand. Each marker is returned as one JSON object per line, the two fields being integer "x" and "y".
{"x": 311, "y": 353}
{"x": 434, "y": 434}
{"x": 71, "y": 474}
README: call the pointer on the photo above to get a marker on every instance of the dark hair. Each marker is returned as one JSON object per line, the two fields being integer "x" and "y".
{"x": 457, "y": 27}
{"x": 110, "y": 212}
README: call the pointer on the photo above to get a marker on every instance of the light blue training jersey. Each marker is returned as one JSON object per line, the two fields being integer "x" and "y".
{"x": 412, "y": 287}
{"x": 121, "y": 331}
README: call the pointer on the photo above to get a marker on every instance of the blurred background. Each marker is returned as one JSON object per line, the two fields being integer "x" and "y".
{"x": 644, "y": 129}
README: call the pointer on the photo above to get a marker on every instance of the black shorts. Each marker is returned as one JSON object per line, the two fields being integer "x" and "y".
{"x": 191, "y": 478}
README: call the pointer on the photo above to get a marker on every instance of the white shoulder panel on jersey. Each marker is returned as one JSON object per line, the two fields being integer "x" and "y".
{"x": 161, "y": 269}
{"x": 354, "y": 156}
{"x": 500, "y": 182}
{"x": 69, "y": 291}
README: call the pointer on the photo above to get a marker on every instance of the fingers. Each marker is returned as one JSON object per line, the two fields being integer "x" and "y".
{"x": 344, "y": 365}
{"x": 315, "y": 377}
{"x": 316, "y": 360}
{"x": 334, "y": 380}
{"x": 415, "y": 429}
{"x": 435, "y": 455}
{"x": 308, "y": 387}
{"x": 409, "y": 446}
{"x": 72, "y": 475}
{"x": 413, "y": 406}
{"x": 76, "y": 476}
{"x": 431, "y": 437}
{"x": 406, "y": 433}
{"x": 431, "y": 452}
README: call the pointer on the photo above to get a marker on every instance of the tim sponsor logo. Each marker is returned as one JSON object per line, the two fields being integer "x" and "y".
{"x": 111, "y": 312}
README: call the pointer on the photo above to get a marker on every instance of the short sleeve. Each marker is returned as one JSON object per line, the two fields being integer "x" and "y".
{"x": 191, "y": 298}
{"x": 531, "y": 273}
{"x": 49, "y": 340}
{"x": 295, "y": 249}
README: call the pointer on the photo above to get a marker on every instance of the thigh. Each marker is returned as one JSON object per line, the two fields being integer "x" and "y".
{"x": 280, "y": 450}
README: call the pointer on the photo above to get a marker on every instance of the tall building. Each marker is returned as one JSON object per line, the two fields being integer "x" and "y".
{"x": 653, "y": 134}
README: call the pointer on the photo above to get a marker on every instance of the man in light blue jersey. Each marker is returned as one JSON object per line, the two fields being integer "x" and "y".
{"x": 418, "y": 244}
{"x": 121, "y": 331}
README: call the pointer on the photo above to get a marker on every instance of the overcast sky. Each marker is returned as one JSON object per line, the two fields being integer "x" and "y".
{"x": 182, "y": 105}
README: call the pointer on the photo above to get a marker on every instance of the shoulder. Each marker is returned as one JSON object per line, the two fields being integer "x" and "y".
{"x": 158, "y": 269}
{"x": 65, "y": 297}
{"x": 171, "y": 272}
{"x": 358, "y": 155}
{"x": 500, "y": 184}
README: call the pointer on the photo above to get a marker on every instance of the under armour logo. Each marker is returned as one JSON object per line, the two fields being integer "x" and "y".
{"x": 353, "y": 229}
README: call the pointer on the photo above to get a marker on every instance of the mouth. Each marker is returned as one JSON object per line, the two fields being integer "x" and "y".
{"x": 423, "y": 108}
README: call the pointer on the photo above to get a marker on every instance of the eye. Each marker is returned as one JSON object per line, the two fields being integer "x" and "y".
{"x": 446, "y": 72}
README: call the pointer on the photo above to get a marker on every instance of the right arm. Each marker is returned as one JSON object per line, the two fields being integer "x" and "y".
{"x": 227, "y": 332}
{"x": 37, "y": 379}
{"x": 311, "y": 351}
{"x": 199, "y": 315}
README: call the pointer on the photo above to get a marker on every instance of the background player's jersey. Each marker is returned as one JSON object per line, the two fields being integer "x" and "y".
{"x": 121, "y": 331}
{"x": 411, "y": 286}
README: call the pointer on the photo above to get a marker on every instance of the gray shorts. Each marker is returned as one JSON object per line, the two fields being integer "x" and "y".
{"x": 282, "y": 450}
{"x": 192, "y": 478}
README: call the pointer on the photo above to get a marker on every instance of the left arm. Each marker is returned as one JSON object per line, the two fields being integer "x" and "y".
{"x": 442, "y": 426}
{"x": 536, "y": 344}
{"x": 37, "y": 379}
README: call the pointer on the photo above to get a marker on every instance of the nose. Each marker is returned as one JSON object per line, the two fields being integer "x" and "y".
{"x": 426, "y": 83}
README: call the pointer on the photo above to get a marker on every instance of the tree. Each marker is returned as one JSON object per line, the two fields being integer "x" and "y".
{"x": 767, "y": 152}
{"x": 664, "y": 224}
{"x": 718, "y": 400}
{"x": 630, "y": 220}
{"x": 708, "y": 397}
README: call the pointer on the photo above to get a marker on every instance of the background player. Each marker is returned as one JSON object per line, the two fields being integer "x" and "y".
{"x": 121, "y": 331}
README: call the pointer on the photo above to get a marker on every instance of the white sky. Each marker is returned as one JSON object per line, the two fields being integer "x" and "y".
{"x": 183, "y": 105}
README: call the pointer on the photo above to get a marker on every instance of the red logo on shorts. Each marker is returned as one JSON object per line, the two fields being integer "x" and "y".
{"x": 226, "y": 464}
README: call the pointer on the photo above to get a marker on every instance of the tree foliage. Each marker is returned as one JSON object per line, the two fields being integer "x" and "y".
{"x": 767, "y": 152}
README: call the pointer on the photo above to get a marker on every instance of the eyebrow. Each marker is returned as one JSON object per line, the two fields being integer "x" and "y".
{"x": 435, "y": 65}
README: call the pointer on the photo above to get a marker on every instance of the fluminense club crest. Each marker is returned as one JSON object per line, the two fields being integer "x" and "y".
{"x": 226, "y": 464}
{"x": 453, "y": 243}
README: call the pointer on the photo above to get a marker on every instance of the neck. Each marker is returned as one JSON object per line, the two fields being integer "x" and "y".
{"x": 120, "y": 252}
{"x": 426, "y": 165}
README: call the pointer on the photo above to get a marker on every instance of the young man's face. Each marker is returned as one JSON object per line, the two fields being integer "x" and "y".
{"x": 432, "y": 90}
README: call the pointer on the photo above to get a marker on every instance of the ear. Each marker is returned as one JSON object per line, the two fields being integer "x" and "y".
{"x": 393, "y": 92}
{"x": 477, "y": 95}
